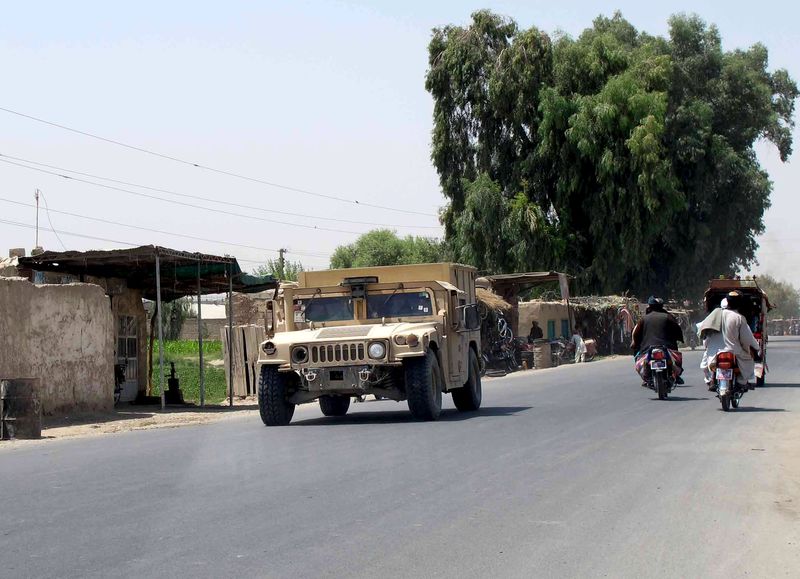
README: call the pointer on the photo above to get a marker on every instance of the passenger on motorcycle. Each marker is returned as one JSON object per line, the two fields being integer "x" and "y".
{"x": 657, "y": 328}
{"x": 726, "y": 329}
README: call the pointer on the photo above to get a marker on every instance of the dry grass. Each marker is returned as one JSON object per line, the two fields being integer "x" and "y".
{"x": 491, "y": 299}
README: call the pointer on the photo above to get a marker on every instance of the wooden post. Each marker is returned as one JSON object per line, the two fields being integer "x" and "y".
{"x": 230, "y": 331}
{"x": 160, "y": 332}
{"x": 200, "y": 340}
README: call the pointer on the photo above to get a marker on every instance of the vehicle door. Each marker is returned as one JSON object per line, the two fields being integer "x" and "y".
{"x": 457, "y": 339}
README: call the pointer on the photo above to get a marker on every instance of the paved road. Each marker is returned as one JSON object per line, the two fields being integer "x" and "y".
{"x": 572, "y": 472}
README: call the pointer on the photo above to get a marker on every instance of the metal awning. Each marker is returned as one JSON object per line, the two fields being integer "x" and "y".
{"x": 137, "y": 266}
{"x": 162, "y": 274}
{"x": 510, "y": 285}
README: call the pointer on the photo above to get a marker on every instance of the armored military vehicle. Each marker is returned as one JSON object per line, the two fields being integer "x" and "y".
{"x": 409, "y": 332}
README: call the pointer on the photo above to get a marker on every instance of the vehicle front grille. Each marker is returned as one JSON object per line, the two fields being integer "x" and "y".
{"x": 337, "y": 353}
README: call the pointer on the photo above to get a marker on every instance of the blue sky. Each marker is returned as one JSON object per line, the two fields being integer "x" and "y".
{"x": 323, "y": 96}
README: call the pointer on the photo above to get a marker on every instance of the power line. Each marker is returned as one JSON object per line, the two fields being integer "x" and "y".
{"x": 170, "y": 233}
{"x": 50, "y": 221}
{"x": 213, "y": 169}
{"x": 211, "y": 200}
{"x": 182, "y": 203}
{"x": 29, "y": 226}
{"x": 92, "y": 237}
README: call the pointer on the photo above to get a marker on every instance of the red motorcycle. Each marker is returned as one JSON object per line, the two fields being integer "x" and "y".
{"x": 724, "y": 373}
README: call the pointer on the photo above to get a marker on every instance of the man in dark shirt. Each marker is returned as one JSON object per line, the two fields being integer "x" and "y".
{"x": 536, "y": 332}
{"x": 657, "y": 328}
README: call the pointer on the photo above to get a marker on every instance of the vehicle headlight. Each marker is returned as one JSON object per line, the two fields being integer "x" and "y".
{"x": 376, "y": 350}
{"x": 269, "y": 348}
{"x": 299, "y": 354}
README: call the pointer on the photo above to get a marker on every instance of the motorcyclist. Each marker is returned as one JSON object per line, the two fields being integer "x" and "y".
{"x": 657, "y": 328}
{"x": 726, "y": 329}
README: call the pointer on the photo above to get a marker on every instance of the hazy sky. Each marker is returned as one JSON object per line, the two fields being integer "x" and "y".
{"x": 326, "y": 97}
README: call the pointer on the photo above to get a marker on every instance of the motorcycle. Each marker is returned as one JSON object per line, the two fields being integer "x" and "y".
{"x": 661, "y": 375}
{"x": 724, "y": 371}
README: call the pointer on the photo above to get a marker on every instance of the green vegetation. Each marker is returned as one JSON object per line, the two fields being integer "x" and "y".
{"x": 185, "y": 355}
{"x": 384, "y": 247}
{"x": 624, "y": 158}
{"x": 784, "y": 297}
{"x": 282, "y": 270}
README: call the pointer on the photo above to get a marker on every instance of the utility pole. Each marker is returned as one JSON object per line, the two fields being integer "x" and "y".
{"x": 281, "y": 263}
{"x": 36, "y": 194}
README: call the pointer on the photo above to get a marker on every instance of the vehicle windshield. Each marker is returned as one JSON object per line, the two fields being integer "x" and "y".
{"x": 399, "y": 305}
{"x": 323, "y": 309}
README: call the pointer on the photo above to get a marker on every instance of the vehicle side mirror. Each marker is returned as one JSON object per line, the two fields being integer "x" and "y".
{"x": 471, "y": 317}
{"x": 269, "y": 318}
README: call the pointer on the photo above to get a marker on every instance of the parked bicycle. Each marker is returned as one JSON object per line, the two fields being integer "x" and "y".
{"x": 500, "y": 349}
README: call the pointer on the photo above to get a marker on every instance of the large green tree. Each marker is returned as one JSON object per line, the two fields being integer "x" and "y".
{"x": 384, "y": 247}
{"x": 624, "y": 158}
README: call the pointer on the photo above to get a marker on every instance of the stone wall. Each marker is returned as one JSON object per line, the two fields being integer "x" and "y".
{"x": 64, "y": 336}
{"x": 211, "y": 329}
{"x": 250, "y": 309}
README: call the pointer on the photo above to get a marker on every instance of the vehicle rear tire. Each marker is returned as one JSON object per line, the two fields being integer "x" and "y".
{"x": 273, "y": 392}
{"x": 660, "y": 386}
{"x": 726, "y": 402}
{"x": 468, "y": 398}
{"x": 334, "y": 405}
{"x": 424, "y": 386}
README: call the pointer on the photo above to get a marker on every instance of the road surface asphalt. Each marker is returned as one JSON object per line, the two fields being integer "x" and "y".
{"x": 569, "y": 472}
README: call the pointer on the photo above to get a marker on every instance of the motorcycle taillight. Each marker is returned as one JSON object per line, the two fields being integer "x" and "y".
{"x": 757, "y": 336}
{"x": 726, "y": 360}
{"x": 658, "y": 355}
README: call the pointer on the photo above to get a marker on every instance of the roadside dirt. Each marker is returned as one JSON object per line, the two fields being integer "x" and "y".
{"x": 128, "y": 417}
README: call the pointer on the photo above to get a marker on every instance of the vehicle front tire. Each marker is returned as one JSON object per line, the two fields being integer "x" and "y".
{"x": 334, "y": 405}
{"x": 273, "y": 393}
{"x": 424, "y": 386}
{"x": 468, "y": 398}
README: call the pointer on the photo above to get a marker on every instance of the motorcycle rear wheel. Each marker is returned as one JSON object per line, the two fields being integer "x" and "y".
{"x": 725, "y": 400}
{"x": 660, "y": 386}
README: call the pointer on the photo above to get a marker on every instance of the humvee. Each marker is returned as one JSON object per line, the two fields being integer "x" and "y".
{"x": 409, "y": 332}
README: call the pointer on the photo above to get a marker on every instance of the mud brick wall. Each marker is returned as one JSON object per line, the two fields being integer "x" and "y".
{"x": 64, "y": 336}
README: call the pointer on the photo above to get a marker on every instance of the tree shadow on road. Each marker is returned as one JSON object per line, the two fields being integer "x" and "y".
{"x": 779, "y": 385}
{"x": 756, "y": 409}
{"x": 403, "y": 416}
